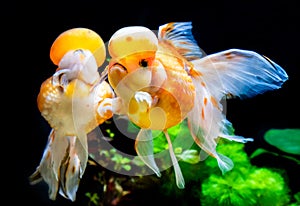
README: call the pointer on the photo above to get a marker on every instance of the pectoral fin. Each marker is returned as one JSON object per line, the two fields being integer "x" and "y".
{"x": 144, "y": 149}
{"x": 178, "y": 174}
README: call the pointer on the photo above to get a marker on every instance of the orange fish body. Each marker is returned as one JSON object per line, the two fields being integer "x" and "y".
{"x": 176, "y": 98}
{"x": 56, "y": 107}
{"x": 74, "y": 102}
{"x": 172, "y": 106}
{"x": 161, "y": 80}
{"x": 153, "y": 83}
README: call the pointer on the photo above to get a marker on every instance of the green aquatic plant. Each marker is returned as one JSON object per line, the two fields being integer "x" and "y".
{"x": 246, "y": 184}
{"x": 111, "y": 190}
{"x": 93, "y": 198}
{"x": 117, "y": 159}
{"x": 296, "y": 202}
{"x": 282, "y": 145}
{"x": 110, "y": 133}
{"x": 286, "y": 140}
{"x": 181, "y": 134}
{"x": 255, "y": 186}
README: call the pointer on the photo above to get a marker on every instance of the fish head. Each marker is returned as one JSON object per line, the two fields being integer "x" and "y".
{"x": 78, "y": 52}
{"x": 133, "y": 63}
{"x": 78, "y": 64}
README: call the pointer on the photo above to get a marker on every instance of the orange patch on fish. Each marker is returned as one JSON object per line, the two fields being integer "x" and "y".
{"x": 214, "y": 102}
{"x": 195, "y": 73}
{"x": 205, "y": 101}
{"x": 202, "y": 114}
{"x": 129, "y": 38}
{"x": 48, "y": 155}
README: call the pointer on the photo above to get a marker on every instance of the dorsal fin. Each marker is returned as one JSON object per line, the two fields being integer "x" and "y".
{"x": 179, "y": 35}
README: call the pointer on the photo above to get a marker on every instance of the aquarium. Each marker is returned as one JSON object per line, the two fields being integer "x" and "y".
{"x": 171, "y": 112}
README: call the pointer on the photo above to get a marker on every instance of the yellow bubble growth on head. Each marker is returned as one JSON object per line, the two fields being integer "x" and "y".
{"x": 131, "y": 40}
{"x": 78, "y": 38}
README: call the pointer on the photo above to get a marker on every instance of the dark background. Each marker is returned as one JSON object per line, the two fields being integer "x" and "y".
{"x": 270, "y": 28}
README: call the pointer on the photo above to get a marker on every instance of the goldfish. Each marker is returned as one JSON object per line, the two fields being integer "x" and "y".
{"x": 163, "y": 79}
{"x": 74, "y": 101}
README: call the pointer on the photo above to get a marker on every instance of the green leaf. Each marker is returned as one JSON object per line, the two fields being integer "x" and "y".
{"x": 126, "y": 167}
{"x": 125, "y": 160}
{"x": 117, "y": 158}
{"x": 258, "y": 152}
{"x": 287, "y": 140}
{"x": 93, "y": 198}
{"x": 297, "y": 197}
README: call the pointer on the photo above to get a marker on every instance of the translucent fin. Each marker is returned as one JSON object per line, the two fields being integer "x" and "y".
{"x": 227, "y": 74}
{"x": 58, "y": 149}
{"x": 82, "y": 151}
{"x": 81, "y": 116}
{"x": 49, "y": 167}
{"x": 228, "y": 133}
{"x": 206, "y": 123}
{"x": 179, "y": 35}
{"x": 144, "y": 149}
{"x": 237, "y": 138}
{"x": 203, "y": 155}
{"x": 225, "y": 164}
{"x": 70, "y": 172}
{"x": 239, "y": 73}
{"x": 206, "y": 119}
{"x": 178, "y": 174}
{"x": 61, "y": 166}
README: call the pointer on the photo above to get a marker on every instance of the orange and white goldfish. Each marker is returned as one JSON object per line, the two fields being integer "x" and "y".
{"x": 161, "y": 80}
{"x": 74, "y": 102}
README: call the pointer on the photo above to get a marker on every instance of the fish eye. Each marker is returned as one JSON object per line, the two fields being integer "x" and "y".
{"x": 60, "y": 80}
{"x": 143, "y": 63}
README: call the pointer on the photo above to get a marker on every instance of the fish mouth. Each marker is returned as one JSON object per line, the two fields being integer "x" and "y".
{"x": 78, "y": 64}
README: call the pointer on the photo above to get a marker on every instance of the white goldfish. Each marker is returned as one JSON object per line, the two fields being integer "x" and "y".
{"x": 162, "y": 80}
{"x": 74, "y": 101}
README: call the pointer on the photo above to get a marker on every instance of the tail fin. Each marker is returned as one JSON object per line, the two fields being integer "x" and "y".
{"x": 239, "y": 73}
{"x": 60, "y": 166}
{"x": 231, "y": 73}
